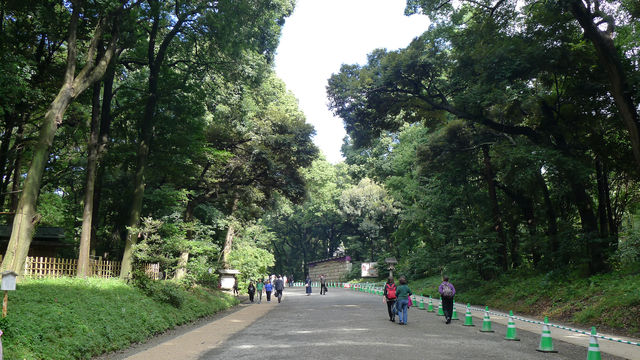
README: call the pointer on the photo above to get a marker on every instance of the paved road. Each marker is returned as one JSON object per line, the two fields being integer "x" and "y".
{"x": 348, "y": 325}
{"x": 345, "y": 325}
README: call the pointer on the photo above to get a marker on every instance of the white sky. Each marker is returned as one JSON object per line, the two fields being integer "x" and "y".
{"x": 320, "y": 36}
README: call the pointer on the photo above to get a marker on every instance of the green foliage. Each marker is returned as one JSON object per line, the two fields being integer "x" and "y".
{"x": 79, "y": 319}
{"x": 249, "y": 255}
{"x": 167, "y": 292}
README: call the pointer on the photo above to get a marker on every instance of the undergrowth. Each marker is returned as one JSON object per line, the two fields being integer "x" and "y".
{"x": 71, "y": 318}
{"x": 610, "y": 301}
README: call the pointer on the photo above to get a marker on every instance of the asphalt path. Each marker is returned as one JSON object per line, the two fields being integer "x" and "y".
{"x": 350, "y": 325}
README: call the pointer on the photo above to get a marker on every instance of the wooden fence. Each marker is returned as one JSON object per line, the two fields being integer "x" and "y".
{"x": 40, "y": 267}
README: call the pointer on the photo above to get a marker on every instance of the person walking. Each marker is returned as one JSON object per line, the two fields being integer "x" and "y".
{"x": 268, "y": 288}
{"x": 259, "y": 287}
{"x": 235, "y": 286}
{"x": 402, "y": 293}
{"x": 279, "y": 285}
{"x": 323, "y": 285}
{"x": 251, "y": 290}
{"x": 307, "y": 284}
{"x": 390, "y": 297}
{"x": 447, "y": 292}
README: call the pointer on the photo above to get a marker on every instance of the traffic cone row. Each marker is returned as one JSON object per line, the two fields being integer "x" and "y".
{"x": 546, "y": 342}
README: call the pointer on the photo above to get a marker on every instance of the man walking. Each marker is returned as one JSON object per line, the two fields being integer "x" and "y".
{"x": 279, "y": 285}
{"x": 323, "y": 285}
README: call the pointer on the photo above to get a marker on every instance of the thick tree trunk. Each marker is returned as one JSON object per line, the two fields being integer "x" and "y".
{"x": 24, "y": 220}
{"x": 228, "y": 240}
{"x": 495, "y": 209}
{"x": 92, "y": 161}
{"x": 593, "y": 241}
{"x": 610, "y": 61}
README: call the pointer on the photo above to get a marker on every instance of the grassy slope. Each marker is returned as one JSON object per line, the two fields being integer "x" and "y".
{"x": 78, "y": 319}
{"x": 611, "y": 302}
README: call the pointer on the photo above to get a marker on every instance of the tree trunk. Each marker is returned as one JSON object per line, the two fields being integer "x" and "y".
{"x": 4, "y": 156}
{"x": 602, "y": 202}
{"x": 155, "y": 62}
{"x": 17, "y": 170}
{"x": 24, "y": 220}
{"x": 181, "y": 271}
{"x": 105, "y": 126}
{"x": 589, "y": 222}
{"x": 610, "y": 61}
{"x": 92, "y": 161}
{"x": 495, "y": 209}
{"x": 228, "y": 240}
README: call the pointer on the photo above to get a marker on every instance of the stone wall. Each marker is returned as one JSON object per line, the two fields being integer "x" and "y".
{"x": 334, "y": 269}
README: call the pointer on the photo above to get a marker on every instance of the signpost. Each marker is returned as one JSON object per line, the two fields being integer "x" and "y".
{"x": 8, "y": 284}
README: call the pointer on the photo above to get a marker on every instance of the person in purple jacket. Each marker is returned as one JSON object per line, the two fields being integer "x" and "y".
{"x": 447, "y": 292}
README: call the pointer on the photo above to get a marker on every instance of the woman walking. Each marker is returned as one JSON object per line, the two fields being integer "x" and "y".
{"x": 251, "y": 290}
{"x": 390, "y": 297}
{"x": 403, "y": 292}
{"x": 447, "y": 292}
{"x": 308, "y": 285}
{"x": 268, "y": 288}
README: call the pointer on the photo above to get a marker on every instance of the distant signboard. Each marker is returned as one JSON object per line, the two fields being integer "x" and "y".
{"x": 369, "y": 269}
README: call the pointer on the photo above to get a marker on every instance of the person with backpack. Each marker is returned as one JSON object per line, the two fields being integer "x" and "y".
{"x": 390, "y": 297}
{"x": 402, "y": 303}
{"x": 447, "y": 292}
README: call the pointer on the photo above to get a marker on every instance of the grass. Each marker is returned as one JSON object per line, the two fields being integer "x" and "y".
{"x": 72, "y": 318}
{"x": 609, "y": 301}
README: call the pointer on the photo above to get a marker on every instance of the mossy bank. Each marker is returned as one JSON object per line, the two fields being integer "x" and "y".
{"x": 72, "y": 318}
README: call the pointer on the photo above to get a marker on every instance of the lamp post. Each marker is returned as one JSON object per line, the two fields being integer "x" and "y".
{"x": 391, "y": 262}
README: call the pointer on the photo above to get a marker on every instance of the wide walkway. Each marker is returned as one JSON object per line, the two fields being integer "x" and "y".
{"x": 349, "y": 325}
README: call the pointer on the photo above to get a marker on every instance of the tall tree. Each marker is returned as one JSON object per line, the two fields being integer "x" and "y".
{"x": 73, "y": 85}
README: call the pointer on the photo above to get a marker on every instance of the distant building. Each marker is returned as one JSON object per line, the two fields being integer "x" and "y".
{"x": 47, "y": 241}
{"x": 335, "y": 268}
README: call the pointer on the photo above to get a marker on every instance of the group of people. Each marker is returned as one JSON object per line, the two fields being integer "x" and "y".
{"x": 397, "y": 299}
{"x": 267, "y": 286}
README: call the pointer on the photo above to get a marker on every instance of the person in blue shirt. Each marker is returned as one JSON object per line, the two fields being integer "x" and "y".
{"x": 268, "y": 288}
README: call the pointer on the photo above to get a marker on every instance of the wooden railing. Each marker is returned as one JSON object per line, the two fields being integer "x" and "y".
{"x": 41, "y": 267}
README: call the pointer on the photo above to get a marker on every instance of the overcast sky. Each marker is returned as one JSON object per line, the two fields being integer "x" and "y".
{"x": 320, "y": 36}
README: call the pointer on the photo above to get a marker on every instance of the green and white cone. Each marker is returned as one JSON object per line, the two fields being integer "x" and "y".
{"x": 454, "y": 314}
{"x": 511, "y": 329}
{"x": 430, "y": 307}
{"x": 594, "y": 348}
{"x": 468, "y": 319}
{"x": 546, "y": 344}
{"x": 486, "y": 322}
{"x": 421, "y": 306}
{"x": 440, "y": 311}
